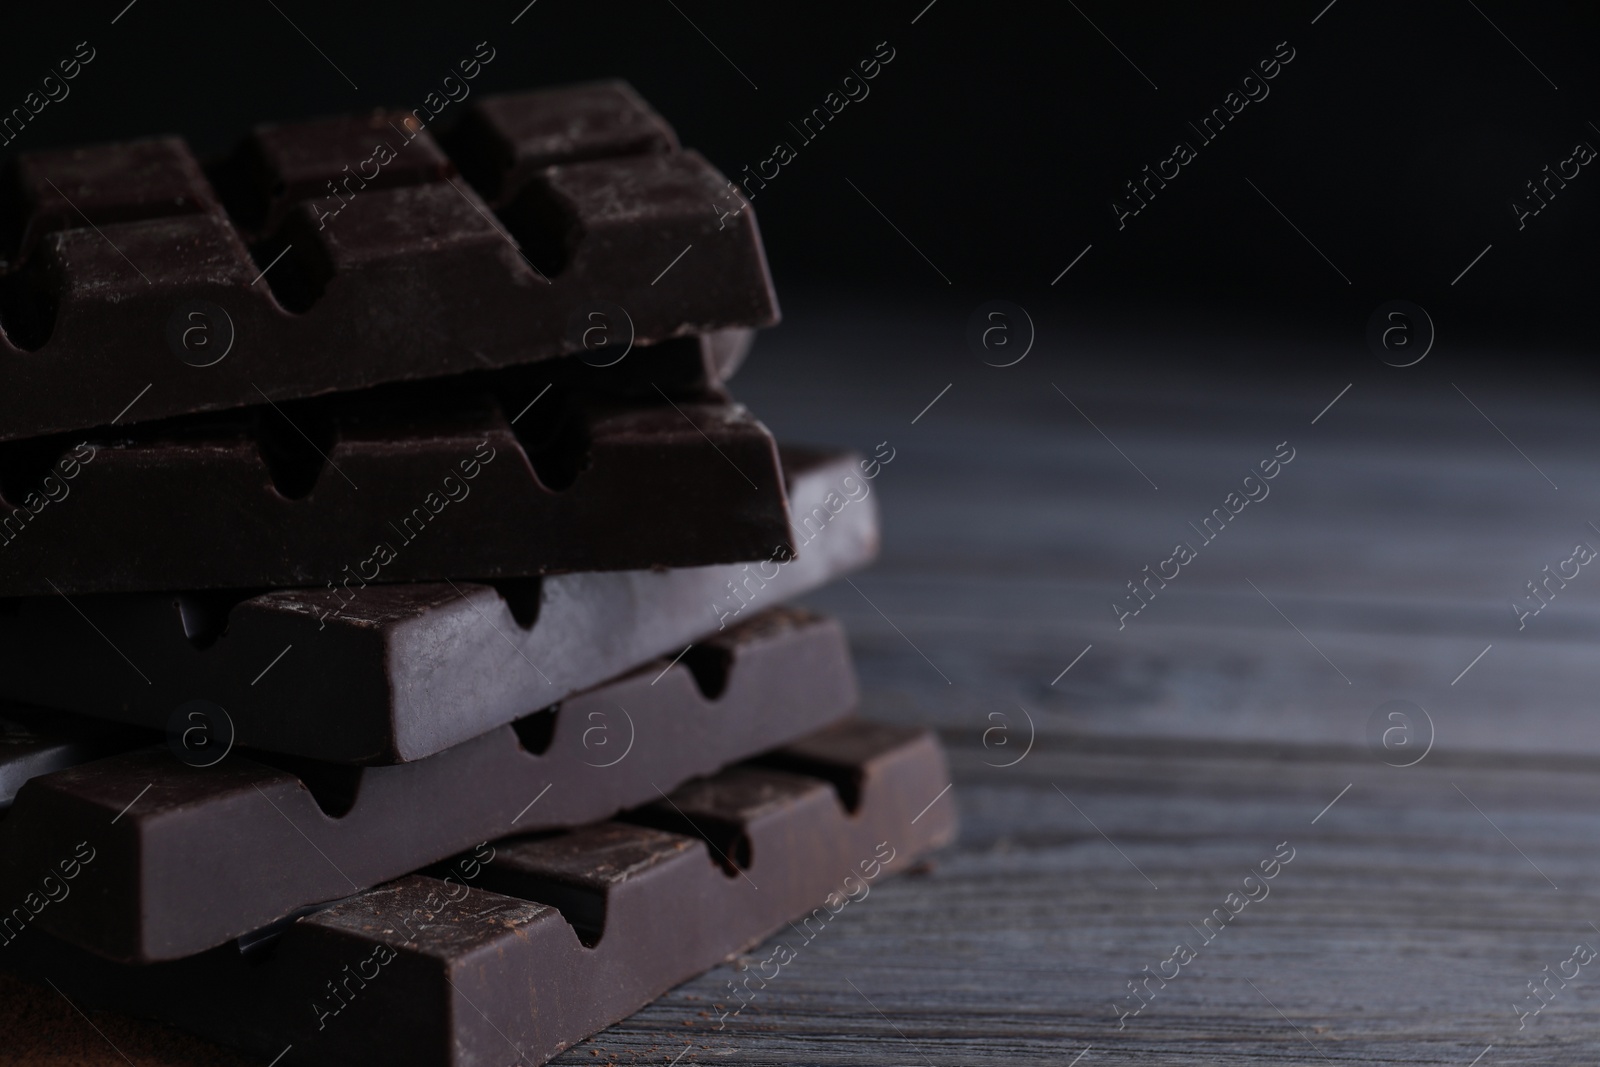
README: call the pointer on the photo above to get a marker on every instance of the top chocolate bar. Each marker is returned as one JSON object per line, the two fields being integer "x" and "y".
{"x": 344, "y": 253}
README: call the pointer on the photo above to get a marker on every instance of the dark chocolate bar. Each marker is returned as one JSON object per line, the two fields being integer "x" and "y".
{"x": 567, "y": 933}
{"x": 268, "y": 837}
{"x": 340, "y": 491}
{"x": 340, "y": 254}
{"x": 390, "y": 673}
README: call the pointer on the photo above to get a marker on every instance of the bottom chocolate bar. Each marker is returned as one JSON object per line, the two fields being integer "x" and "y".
{"x": 517, "y": 952}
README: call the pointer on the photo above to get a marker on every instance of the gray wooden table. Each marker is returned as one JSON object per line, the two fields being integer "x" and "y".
{"x": 1233, "y": 715}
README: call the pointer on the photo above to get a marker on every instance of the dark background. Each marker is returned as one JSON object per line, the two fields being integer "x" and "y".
{"x": 1396, "y": 140}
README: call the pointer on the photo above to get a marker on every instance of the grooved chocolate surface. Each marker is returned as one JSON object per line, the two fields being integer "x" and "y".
{"x": 391, "y": 673}
{"x": 268, "y": 840}
{"x": 341, "y": 490}
{"x": 339, "y": 254}
{"x": 567, "y": 934}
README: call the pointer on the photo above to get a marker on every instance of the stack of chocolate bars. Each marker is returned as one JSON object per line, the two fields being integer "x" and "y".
{"x": 392, "y": 636}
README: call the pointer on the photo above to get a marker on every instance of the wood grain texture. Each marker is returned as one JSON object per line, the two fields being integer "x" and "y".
{"x": 1179, "y": 752}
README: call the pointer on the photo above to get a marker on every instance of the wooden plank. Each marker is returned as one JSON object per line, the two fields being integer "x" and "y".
{"x": 1391, "y": 549}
